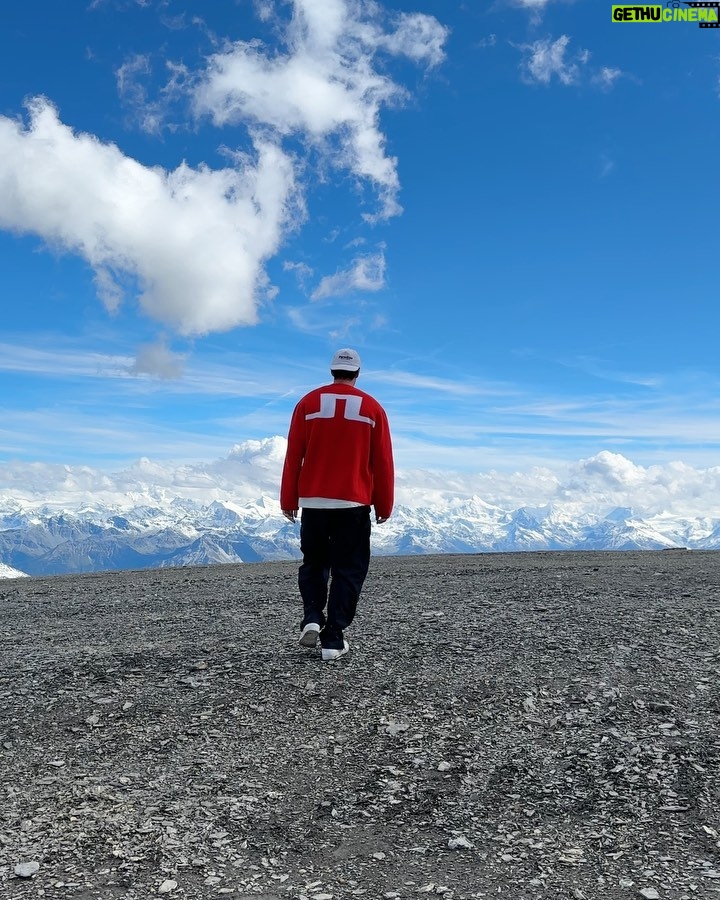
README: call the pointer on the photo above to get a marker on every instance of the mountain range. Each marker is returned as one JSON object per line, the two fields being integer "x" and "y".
{"x": 38, "y": 539}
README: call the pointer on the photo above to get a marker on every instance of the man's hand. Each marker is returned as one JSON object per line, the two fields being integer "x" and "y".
{"x": 381, "y": 519}
{"x": 290, "y": 514}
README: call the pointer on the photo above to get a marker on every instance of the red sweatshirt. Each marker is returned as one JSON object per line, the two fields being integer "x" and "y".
{"x": 339, "y": 448}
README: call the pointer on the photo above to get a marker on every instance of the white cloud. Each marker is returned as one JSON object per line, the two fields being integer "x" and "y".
{"x": 417, "y": 36}
{"x": 606, "y": 77}
{"x": 56, "y": 363}
{"x": 547, "y": 58}
{"x": 535, "y": 7}
{"x": 133, "y": 76}
{"x": 100, "y": 434}
{"x": 264, "y": 9}
{"x": 594, "y": 485}
{"x": 613, "y": 480}
{"x": 325, "y": 86}
{"x": 158, "y": 360}
{"x": 425, "y": 383}
{"x": 302, "y": 271}
{"x": 345, "y": 332}
{"x": 347, "y": 322}
{"x": 194, "y": 241}
{"x": 250, "y": 470}
{"x": 129, "y": 83}
{"x": 367, "y": 273}
{"x": 126, "y": 75}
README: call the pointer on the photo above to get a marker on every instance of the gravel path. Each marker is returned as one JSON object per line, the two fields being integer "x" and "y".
{"x": 541, "y": 725}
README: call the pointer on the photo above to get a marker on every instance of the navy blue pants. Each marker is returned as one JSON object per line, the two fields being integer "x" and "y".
{"x": 335, "y": 545}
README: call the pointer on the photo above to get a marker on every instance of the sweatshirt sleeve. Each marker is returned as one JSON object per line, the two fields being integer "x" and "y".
{"x": 383, "y": 467}
{"x": 294, "y": 457}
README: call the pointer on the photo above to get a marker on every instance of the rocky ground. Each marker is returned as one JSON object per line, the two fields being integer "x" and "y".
{"x": 518, "y": 726}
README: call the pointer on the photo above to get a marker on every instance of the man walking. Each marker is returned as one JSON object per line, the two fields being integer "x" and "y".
{"x": 339, "y": 463}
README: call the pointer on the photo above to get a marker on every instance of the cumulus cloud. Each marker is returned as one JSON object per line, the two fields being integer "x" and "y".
{"x": 545, "y": 59}
{"x": 418, "y": 36}
{"x": 326, "y": 86}
{"x": 594, "y": 486}
{"x": 192, "y": 242}
{"x": 250, "y": 470}
{"x": 367, "y": 273}
{"x": 613, "y": 480}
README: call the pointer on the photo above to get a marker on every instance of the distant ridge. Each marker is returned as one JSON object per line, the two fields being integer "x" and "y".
{"x": 45, "y": 540}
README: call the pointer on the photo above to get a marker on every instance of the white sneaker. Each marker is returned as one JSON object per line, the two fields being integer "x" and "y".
{"x": 309, "y": 635}
{"x": 330, "y": 655}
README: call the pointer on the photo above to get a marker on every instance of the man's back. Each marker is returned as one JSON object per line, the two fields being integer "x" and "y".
{"x": 339, "y": 449}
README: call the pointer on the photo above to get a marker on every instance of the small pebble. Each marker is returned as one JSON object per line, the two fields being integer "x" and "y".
{"x": 459, "y": 843}
{"x": 26, "y": 870}
{"x": 167, "y": 886}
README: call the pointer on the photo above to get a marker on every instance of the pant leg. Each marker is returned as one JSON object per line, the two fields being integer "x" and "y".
{"x": 349, "y": 563}
{"x": 314, "y": 571}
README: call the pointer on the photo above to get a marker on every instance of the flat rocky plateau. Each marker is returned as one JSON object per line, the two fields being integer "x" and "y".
{"x": 540, "y": 725}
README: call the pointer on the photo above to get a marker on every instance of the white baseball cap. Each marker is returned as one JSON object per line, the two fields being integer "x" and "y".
{"x": 345, "y": 360}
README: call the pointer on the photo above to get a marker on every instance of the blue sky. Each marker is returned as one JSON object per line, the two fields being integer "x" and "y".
{"x": 508, "y": 208}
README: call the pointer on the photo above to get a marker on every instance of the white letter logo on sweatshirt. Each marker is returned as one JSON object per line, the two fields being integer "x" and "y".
{"x": 328, "y": 403}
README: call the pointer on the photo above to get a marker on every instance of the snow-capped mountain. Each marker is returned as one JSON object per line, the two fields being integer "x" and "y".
{"x": 41, "y": 540}
{"x": 9, "y": 572}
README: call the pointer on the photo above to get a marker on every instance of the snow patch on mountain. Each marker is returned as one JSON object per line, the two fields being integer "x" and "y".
{"x": 9, "y": 572}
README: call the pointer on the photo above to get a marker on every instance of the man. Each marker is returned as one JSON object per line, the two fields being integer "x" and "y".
{"x": 339, "y": 463}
